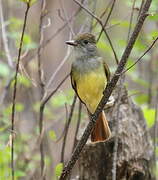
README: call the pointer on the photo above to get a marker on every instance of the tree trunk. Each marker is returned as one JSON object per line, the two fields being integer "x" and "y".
{"x": 134, "y": 150}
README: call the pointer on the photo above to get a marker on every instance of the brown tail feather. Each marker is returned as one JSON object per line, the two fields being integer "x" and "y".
{"x": 101, "y": 131}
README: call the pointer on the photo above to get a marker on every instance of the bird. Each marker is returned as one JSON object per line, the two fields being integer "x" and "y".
{"x": 89, "y": 77}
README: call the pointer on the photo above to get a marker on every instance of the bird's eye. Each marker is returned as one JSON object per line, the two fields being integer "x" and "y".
{"x": 85, "y": 42}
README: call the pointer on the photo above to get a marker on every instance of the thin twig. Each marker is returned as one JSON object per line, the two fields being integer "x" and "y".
{"x": 131, "y": 19}
{"x": 141, "y": 6}
{"x": 6, "y": 89}
{"x": 151, "y": 78}
{"x": 150, "y": 47}
{"x": 108, "y": 90}
{"x": 66, "y": 18}
{"x": 15, "y": 89}
{"x": 107, "y": 19}
{"x": 103, "y": 13}
{"x": 102, "y": 25}
{"x": 40, "y": 70}
{"x": 46, "y": 99}
{"x": 91, "y": 20}
{"x": 41, "y": 115}
{"x": 67, "y": 128}
{"x": 41, "y": 85}
{"x": 78, "y": 124}
{"x": 63, "y": 132}
{"x": 59, "y": 67}
{"x": 62, "y": 27}
{"x": 24, "y": 72}
{"x": 4, "y": 37}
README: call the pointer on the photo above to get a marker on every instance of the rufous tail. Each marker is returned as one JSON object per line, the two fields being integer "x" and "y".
{"x": 101, "y": 131}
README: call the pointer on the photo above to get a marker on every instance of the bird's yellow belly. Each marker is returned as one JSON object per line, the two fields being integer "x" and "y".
{"x": 90, "y": 87}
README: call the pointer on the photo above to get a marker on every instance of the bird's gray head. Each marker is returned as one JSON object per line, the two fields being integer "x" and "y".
{"x": 84, "y": 45}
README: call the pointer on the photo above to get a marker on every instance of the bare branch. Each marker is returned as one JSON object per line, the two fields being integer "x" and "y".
{"x": 103, "y": 13}
{"x": 42, "y": 107}
{"x": 6, "y": 89}
{"x": 67, "y": 128}
{"x": 107, "y": 19}
{"x": 66, "y": 18}
{"x": 40, "y": 70}
{"x": 130, "y": 22}
{"x": 141, "y": 6}
{"x": 46, "y": 99}
{"x": 151, "y": 46}
{"x": 62, "y": 27}
{"x": 4, "y": 37}
{"x": 41, "y": 84}
{"x": 59, "y": 67}
{"x": 78, "y": 124}
{"x": 15, "y": 89}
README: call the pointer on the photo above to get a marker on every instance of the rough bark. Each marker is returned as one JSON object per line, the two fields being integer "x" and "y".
{"x": 135, "y": 149}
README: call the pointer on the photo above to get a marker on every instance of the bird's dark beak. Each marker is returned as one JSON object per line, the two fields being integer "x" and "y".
{"x": 71, "y": 43}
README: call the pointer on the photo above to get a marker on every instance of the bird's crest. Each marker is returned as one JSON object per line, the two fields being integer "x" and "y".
{"x": 86, "y": 36}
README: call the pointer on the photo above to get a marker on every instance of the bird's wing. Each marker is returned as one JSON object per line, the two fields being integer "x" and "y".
{"x": 73, "y": 83}
{"x": 107, "y": 71}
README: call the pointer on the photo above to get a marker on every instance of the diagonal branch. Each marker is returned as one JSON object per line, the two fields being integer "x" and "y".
{"x": 110, "y": 87}
{"x": 150, "y": 47}
{"x": 111, "y": 9}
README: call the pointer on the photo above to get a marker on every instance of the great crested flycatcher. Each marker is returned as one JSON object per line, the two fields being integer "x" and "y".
{"x": 89, "y": 77}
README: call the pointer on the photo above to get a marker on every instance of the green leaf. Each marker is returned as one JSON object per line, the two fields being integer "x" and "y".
{"x": 27, "y": 41}
{"x": 103, "y": 46}
{"x": 7, "y": 111}
{"x": 141, "y": 82}
{"x": 139, "y": 45}
{"x": 31, "y": 2}
{"x": 61, "y": 98}
{"x": 153, "y": 34}
{"x": 4, "y": 70}
{"x": 149, "y": 115}
{"x": 19, "y": 107}
{"x": 129, "y": 63}
{"x": 124, "y": 23}
{"x": 15, "y": 24}
{"x": 58, "y": 100}
{"x": 141, "y": 99}
{"x": 154, "y": 17}
{"x": 36, "y": 106}
{"x": 19, "y": 173}
{"x": 122, "y": 42}
{"x": 52, "y": 135}
{"x": 24, "y": 81}
{"x": 58, "y": 169}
